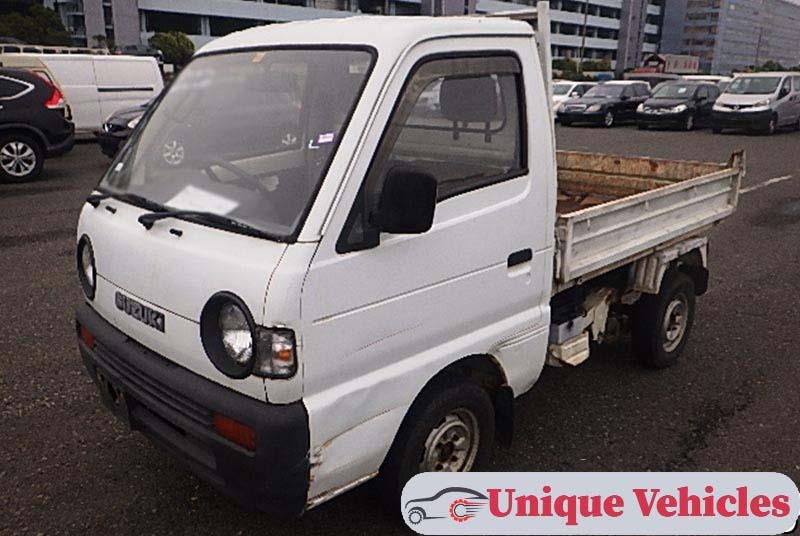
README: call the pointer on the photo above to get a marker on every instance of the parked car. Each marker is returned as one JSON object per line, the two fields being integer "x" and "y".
{"x": 566, "y": 90}
{"x": 118, "y": 127}
{"x": 34, "y": 124}
{"x": 759, "y": 102}
{"x": 294, "y": 320}
{"x": 682, "y": 104}
{"x": 96, "y": 86}
{"x": 606, "y": 104}
{"x": 722, "y": 82}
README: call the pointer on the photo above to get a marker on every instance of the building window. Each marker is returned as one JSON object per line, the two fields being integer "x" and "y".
{"x": 220, "y": 26}
{"x": 160, "y": 21}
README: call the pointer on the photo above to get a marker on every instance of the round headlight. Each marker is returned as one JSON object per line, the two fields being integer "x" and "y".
{"x": 228, "y": 334}
{"x": 237, "y": 339}
{"x": 87, "y": 272}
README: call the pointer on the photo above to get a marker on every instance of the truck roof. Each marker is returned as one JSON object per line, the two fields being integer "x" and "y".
{"x": 378, "y": 31}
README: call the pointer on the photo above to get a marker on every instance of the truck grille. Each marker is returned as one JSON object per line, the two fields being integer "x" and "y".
{"x": 149, "y": 391}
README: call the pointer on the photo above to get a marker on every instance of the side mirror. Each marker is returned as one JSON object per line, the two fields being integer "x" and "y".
{"x": 784, "y": 91}
{"x": 407, "y": 202}
{"x": 575, "y": 94}
{"x": 624, "y": 97}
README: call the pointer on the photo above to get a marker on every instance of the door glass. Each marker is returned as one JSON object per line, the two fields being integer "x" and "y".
{"x": 459, "y": 120}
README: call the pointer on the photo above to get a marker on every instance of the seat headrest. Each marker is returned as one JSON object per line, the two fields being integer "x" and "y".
{"x": 469, "y": 100}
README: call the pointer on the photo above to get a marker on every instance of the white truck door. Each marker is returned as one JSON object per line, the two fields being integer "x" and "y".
{"x": 383, "y": 314}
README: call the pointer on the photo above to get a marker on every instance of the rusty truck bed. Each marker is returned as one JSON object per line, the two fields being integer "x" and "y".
{"x": 613, "y": 209}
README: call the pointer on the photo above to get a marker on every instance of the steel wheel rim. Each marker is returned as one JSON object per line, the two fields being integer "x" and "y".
{"x": 452, "y": 445}
{"x": 609, "y": 119}
{"x": 689, "y": 122}
{"x": 676, "y": 319}
{"x": 17, "y": 158}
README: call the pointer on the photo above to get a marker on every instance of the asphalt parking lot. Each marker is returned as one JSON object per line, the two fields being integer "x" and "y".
{"x": 68, "y": 467}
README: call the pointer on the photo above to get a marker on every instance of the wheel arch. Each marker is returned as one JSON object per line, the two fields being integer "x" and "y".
{"x": 486, "y": 371}
{"x": 28, "y": 130}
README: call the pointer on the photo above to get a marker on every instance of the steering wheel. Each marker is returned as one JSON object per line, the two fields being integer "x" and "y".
{"x": 208, "y": 161}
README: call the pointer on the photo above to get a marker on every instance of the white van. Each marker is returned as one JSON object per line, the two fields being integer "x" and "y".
{"x": 96, "y": 86}
{"x": 759, "y": 101}
{"x": 336, "y": 279}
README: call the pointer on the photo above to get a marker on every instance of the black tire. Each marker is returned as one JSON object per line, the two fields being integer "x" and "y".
{"x": 609, "y": 119}
{"x": 651, "y": 335}
{"x": 565, "y": 122}
{"x": 772, "y": 126}
{"x": 688, "y": 123}
{"x": 18, "y": 144}
{"x": 428, "y": 413}
{"x": 641, "y": 126}
{"x": 716, "y": 130}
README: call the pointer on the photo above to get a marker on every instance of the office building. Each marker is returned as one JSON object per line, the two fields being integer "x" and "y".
{"x": 731, "y": 35}
{"x": 619, "y": 31}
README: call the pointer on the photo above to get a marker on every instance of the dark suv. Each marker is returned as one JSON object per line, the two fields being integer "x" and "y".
{"x": 34, "y": 124}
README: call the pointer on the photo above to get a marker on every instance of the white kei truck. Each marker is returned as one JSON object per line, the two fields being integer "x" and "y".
{"x": 340, "y": 249}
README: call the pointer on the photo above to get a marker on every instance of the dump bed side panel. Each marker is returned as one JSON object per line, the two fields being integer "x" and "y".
{"x": 637, "y": 204}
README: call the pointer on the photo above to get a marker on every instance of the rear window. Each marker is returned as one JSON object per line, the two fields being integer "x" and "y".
{"x": 11, "y": 88}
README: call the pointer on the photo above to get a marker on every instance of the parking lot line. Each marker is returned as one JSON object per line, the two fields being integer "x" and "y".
{"x": 764, "y": 184}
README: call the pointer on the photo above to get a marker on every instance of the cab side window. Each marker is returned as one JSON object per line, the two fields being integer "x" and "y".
{"x": 459, "y": 120}
{"x": 702, "y": 93}
{"x": 641, "y": 90}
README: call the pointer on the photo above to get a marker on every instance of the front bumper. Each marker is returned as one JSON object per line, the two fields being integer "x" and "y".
{"x": 582, "y": 117}
{"x": 661, "y": 120}
{"x": 175, "y": 408}
{"x": 741, "y": 120}
{"x": 110, "y": 142}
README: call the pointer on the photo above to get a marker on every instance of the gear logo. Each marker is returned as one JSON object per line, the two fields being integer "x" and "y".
{"x": 463, "y": 509}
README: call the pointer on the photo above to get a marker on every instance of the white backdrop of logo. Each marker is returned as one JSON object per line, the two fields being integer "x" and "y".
{"x": 600, "y": 503}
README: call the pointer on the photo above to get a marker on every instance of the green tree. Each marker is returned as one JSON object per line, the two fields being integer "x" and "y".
{"x": 176, "y": 47}
{"x": 32, "y": 23}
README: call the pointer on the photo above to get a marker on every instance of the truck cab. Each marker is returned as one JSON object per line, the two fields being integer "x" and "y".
{"x": 327, "y": 254}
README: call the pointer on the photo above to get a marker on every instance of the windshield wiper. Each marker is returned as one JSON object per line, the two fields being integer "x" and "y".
{"x": 223, "y": 222}
{"x": 133, "y": 199}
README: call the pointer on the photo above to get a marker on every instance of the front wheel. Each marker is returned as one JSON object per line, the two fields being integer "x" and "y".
{"x": 566, "y": 122}
{"x": 21, "y": 158}
{"x": 688, "y": 123}
{"x": 449, "y": 428}
{"x": 609, "y": 119}
{"x": 772, "y": 126}
{"x": 716, "y": 130}
{"x": 662, "y": 322}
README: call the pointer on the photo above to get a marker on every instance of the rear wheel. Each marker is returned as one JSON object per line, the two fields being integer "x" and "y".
{"x": 21, "y": 158}
{"x": 662, "y": 322}
{"x": 641, "y": 126}
{"x": 609, "y": 119}
{"x": 449, "y": 428}
{"x": 716, "y": 130}
{"x": 566, "y": 122}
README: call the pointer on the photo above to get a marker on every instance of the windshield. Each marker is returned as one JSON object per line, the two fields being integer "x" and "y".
{"x": 604, "y": 90}
{"x": 561, "y": 89}
{"x": 754, "y": 85}
{"x": 245, "y": 135}
{"x": 674, "y": 91}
